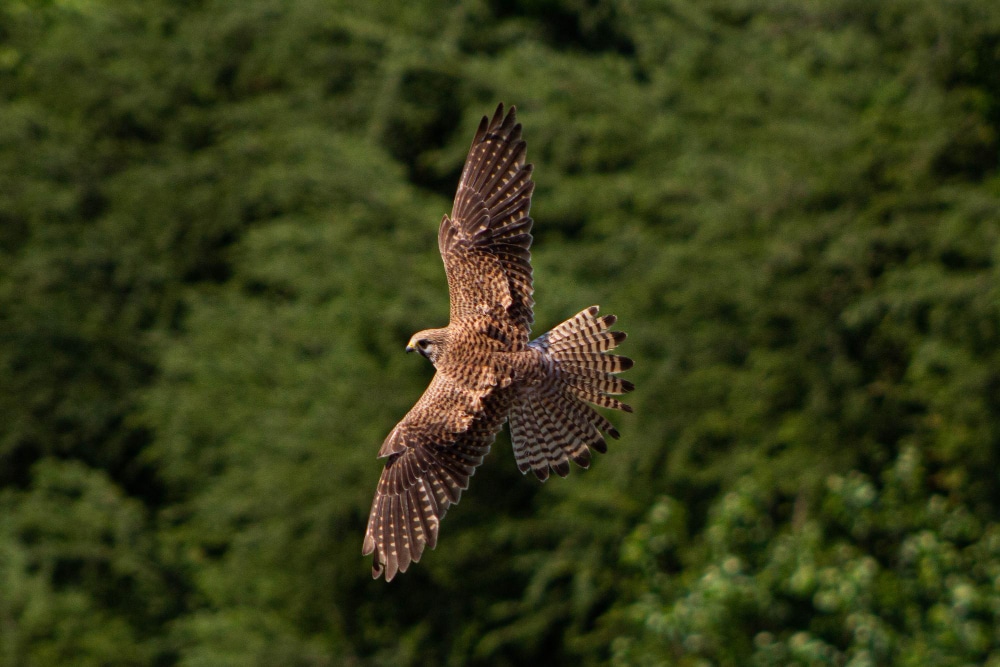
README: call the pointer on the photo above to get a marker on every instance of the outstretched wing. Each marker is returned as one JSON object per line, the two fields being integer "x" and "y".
{"x": 432, "y": 453}
{"x": 486, "y": 242}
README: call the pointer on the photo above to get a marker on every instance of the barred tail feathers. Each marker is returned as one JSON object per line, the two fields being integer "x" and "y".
{"x": 552, "y": 424}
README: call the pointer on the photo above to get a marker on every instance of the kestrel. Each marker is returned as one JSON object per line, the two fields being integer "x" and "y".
{"x": 487, "y": 371}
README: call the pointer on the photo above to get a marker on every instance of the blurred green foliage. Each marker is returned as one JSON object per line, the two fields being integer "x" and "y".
{"x": 217, "y": 233}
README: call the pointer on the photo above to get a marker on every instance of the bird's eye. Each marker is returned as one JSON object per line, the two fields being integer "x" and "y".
{"x": 423, "y": 343}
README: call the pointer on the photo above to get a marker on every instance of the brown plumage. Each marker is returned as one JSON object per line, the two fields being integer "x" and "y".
{"x": 486, "y": 370}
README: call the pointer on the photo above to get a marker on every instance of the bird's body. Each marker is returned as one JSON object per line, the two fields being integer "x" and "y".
{"x": 487, "y": 371}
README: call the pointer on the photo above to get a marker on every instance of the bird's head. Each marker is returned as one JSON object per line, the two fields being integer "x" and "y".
{"x": 429, "y": 343}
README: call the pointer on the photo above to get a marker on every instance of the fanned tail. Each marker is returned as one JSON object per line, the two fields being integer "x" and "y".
{"x": 552, "y": 424}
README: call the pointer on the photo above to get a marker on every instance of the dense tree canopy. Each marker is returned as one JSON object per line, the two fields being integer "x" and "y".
{"x": 217, "y": 232}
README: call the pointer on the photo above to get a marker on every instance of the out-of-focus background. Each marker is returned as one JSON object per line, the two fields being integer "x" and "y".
{"x": 218, "y": 230}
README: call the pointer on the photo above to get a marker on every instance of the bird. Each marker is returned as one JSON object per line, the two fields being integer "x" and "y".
{"x": 487, "y": 371}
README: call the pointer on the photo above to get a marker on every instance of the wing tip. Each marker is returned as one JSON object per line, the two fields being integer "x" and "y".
{"x": 497, "y": 115}
{"x": 369, "y": 546}
{"x": 500, "y": 122}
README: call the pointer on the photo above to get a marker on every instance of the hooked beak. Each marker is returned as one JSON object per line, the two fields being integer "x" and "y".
{"x": 410, "y": 348}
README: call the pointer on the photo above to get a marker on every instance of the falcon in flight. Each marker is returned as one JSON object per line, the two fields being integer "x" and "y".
{"x": 487, "y": 371}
